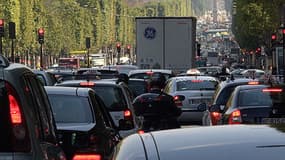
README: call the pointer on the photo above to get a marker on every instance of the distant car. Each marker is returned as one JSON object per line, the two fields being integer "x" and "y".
{"x": 253, "y": 73}
{"x": 102, "y": 73}
{"x": 47, "y": 78}
{"x": 253, "y": 104}
{"x": 222, "y": 93}
{"x": 118, "y": 99}
{"x": 81, "y": 122}
{"x": 150, "y": 73}
{"x": 138, "y": 86}
{"x": 256, "y": 142}
{"x": 195, "y": 90}
{"x": 210, "y": 70}
{"x": 26, "y": 120}
{"x": 122, "y": 68}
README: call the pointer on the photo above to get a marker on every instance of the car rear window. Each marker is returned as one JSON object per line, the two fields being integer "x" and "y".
{"x": 137, "y": 87}
{"x": 113, "y": 97}
{"x": 196, "y": 85}
{"x": 71, "y": 109}
{"x": 254, "y": 97}
{"x": 150, "y": 75}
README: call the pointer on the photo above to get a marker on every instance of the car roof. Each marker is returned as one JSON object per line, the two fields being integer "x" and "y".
{"x": 247, "y": 141}
{"x": 210, "y": 78}
{"x": 236, "y": 82}
{"x": 137, "y": 71}
{"x": 97, "y": 82}
{"x": 72, "y": 91}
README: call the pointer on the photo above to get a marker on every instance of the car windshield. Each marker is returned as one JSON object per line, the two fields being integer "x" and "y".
{"x": 71, "y": 109}
{"x": 113, "y": 97}
{"x": 196, "y": 85}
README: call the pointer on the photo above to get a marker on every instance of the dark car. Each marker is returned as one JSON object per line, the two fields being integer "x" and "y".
{"x": 81, "y": 122}
{"x": 118, "y": 99}
{"x": 47, "y": 78}
{"x": 26, "y": 121}
{"x": 253, "y": 104}
{"x": 256, "y": 142}
{"x": 221, "y": 96}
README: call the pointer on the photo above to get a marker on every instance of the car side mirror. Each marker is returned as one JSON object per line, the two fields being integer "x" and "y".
{"x": 202, "y": 107}
{"x": 216, "y": 108}
{"x": 125, "y": 124}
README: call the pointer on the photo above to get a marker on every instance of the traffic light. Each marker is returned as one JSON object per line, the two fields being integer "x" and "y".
{"x": 198, "y": 49}
{"x": 12, "y": 32}
{"x": 118, "y": 47}
{"x": 87, "y": 42}
{"x": 128, "y": 49}
{"x": 1, "y": 27}
{"x": 41, "y": 35}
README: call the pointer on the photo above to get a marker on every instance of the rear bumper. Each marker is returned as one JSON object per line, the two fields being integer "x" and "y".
{"x": 190, "y": 116}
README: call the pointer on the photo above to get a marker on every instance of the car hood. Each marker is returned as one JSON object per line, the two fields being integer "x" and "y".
{"x": 221, "y": 142}
{"x": 75, "y": 126}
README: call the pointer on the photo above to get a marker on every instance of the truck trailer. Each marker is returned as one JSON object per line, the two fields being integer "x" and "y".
{"x": 166, "y": 43}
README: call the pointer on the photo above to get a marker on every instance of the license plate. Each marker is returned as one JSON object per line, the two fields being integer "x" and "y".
{"x": 198, "y": 101}
{"x": 273, "y": 121}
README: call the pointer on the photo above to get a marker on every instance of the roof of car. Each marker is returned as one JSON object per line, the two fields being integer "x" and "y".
{"x": 195, "y": 77}
{"x": 72, "y": 91}
{"x": 137, "y": 71}
{"x": 236, "y": 81}
{"x": 97, "y": 82}
{"x": 254, "y": 141}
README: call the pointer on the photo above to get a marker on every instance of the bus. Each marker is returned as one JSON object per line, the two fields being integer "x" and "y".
{"x": 69, "y": 63}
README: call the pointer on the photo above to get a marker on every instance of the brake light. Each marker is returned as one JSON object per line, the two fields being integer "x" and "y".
{"x": 197, "y": 81}
{"x": 15, "y": 112}
{"x": 87, "y": 157}
{"x": 140, "y": 132}
{"x": 272, "y": 90}
{"x": 216, "y": 114}
{"x": 177, "y": 101}
{"x": 87, "y": 84}
{"x": 235, "y": 117}
{"x": 127, "y": 113}
{"x": 253, "y": 83}
{"x": 149, "y": 73}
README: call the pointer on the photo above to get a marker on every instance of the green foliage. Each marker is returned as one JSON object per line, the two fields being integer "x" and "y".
{"x": 255, "y": 21}
{"x": 67, "y": 23}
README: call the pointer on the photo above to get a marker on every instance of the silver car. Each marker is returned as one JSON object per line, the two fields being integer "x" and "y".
{"x": 196, "y": 90}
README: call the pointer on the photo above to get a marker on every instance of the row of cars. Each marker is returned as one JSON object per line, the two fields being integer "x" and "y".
{"x": 78, "y": 120}
{"x": 241, "y": 101}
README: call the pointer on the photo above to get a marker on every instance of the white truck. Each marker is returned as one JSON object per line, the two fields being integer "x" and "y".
{"x": 166, "y": 43}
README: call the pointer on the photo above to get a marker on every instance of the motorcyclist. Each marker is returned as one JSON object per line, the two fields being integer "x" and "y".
{"x": 157, "y": 106}
{"x": 223, "y": 74}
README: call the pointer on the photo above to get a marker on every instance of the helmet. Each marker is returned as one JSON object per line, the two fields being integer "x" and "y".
{"x": 148, "y": 104}
{"x": 157, "y": 81}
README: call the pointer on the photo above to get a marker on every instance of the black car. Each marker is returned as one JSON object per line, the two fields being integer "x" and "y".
{"x": 83, "y": 127}
{"x": 221, "y": 96}
{"x": 118, "y": 99}
{"x": 253, "y": 104}
{"x": 26, "y": 121}
{"x": 47, "y": 78}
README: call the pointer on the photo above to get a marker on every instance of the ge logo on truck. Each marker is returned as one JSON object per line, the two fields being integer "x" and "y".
{"x": 149, "y": 33}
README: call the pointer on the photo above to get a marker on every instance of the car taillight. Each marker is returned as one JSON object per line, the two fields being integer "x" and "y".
{"x": 87, "y": 157}
{"x": 253, "y": 83}
{"x": 235, "y": 117}
{"x": 127, "y": 114}
{"x": 141, "y": 132}
{"x": 15, "y": 112}
{"x": 87, "y": 84}
{"x": 216, "y": 114}
{"x": 272, "y": 90}
{"x": 177, "y": 101}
